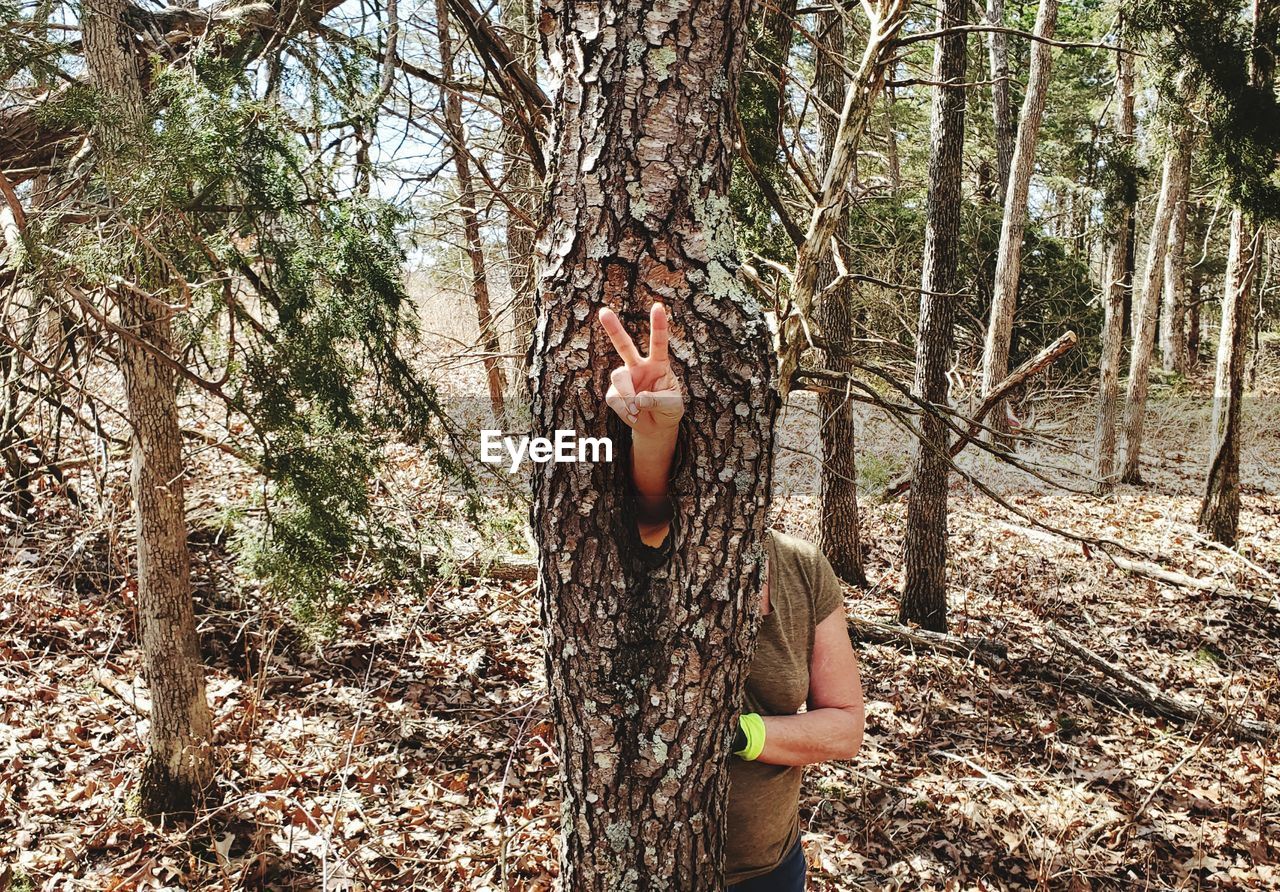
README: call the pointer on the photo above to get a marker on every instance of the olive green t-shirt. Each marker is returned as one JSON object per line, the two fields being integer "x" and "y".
{"x": 764, "y": 800}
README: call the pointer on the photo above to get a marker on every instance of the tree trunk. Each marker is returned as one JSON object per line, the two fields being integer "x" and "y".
{"x": 924, "y": 590}
{"x": 892, "y": 159}
{"x": 763, "y": 85}
{"x": 490, "y": 343}
{"x": 1173, "y": 314}
{"x": 1116, "y": 282}
{"x": 885, "y": 20}
{"x": 1172, "y": 188}
{"x": 1220, "y": 508}
{"x": 1193, "y": 320}
{"x": 177, "y": 768}
{"x": 839, "y": 515}
{"x": 1130, "y": 266}
{"x": 1006, "y": 127}
{"x": 1262, "y": 275}
{"x": 995, "y": 355}
{"x": 647, "y": 655}
{"x": 522, "y": 187}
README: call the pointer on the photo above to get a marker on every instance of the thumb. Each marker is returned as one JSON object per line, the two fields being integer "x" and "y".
{"x": 666, "y": 403}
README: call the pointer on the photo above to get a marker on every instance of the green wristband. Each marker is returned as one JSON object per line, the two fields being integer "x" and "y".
{"x": 753, "y": 727}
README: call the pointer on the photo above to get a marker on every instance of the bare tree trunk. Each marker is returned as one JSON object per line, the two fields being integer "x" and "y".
{"x": 178, "y": 768}
{"x": 891, "y": 141}
{"x": 1006, "y": 127}
{"x": 995, "y": 355}
{"x": 840, "y": 540}
{"x": 522, "y": 186}
{"x": 490, "y": 342}
{"x": 1116, "y": 282}
{"x": 1262, "y": 275}
{"x": 647, "y": 654}
{"x": 1173, "y": 315}
{"x": 1220, "y": 508}
{"x": 924, "y": 589}
{"x": 1131, "y": 267}
{"x": 885, "y": 20}
{"x": 1193, "y": 320}
{"x": 1172, "y": 188}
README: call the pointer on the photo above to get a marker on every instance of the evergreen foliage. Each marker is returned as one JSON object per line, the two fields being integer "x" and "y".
{"x": 307, "y": 286}
{"x": 1208, "y": 45}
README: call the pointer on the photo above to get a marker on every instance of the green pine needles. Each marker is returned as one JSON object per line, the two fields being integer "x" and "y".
{"x": 1209, "y": 44}
{"x": 297, "y": 319}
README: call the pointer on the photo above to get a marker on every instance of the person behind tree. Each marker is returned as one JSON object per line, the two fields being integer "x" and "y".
{"x": 803, "y": 655}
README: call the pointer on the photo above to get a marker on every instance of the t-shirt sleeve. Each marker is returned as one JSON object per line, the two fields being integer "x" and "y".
{"x": 827, "y": 593}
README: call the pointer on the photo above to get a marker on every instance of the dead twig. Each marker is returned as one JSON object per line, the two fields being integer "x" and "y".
{"x": 1012, "y": 381}
{"x": 1154, "y": 700}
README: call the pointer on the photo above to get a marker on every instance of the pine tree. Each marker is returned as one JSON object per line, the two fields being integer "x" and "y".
{"x": 924, "y": 589}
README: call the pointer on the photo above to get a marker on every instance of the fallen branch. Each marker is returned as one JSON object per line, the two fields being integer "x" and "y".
{"x": 1260, "y": 570}
{"x": 1172, "y": 577}
{"x": 1160, "y": 574}
{"x": 1147, "y": 696}
{"x": 499, "y": 567}
{"x": 988, "y": 651}
{"x": 123, "y": 691}
{"x": 1119, "y": 688}
{"x": 1014, "y": 380}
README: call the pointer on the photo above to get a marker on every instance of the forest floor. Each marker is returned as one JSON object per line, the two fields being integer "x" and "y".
{"x": 411, "y": 749}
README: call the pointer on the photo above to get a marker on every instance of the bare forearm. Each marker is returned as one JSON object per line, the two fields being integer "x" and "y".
{"x": 651, "y": 458}
{"x": 815, "y": 736}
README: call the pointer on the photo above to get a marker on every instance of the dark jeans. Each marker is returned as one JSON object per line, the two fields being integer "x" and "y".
{"x": 786, "y": 877}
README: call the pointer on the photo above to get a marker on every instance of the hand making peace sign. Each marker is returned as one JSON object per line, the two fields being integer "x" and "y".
{"x": 643, "y": 390}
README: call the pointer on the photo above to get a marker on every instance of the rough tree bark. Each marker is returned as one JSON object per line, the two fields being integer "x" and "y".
{"x": 1116, "y": 282}
{"x": 891, "y": 154}
{"x": 647, "y": 656}
{"x": 1173, "y": 311}
{"x": 1006, "y": 127}
{"x": 468, "y": 207}
{"x": 521, "y": 185}
{"x": 1220, "y": 509}
{"x": 924, "y": 589}
{"x": 995, "y": 354}
{"x": 1172, "y": 188}
{"x": 177, "y": 768}
{"x": 840, "y": 539}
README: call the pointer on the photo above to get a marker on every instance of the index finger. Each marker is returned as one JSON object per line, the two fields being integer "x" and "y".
{"x": 658, "y": 333}
{"x": 618, "y": 335}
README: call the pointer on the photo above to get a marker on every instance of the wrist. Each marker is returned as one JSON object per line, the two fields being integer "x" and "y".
{"x": 748, "y": 742}
{"x": 655, "y": 440}
{"x": 652, "y": 457}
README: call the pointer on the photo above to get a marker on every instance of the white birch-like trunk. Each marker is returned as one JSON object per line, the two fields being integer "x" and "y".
{"x": 995, "y": 355}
